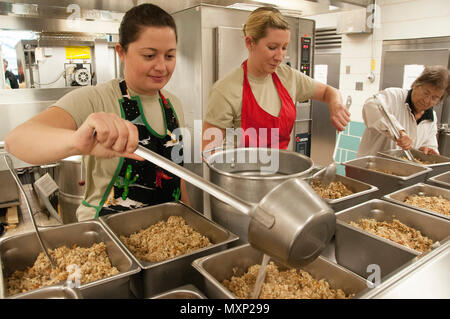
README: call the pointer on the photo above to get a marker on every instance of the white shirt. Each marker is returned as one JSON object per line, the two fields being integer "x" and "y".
{"x": 377, "y": 136}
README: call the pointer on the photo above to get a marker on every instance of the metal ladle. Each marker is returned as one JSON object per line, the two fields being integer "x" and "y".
{"x": 10, "y": 165}
{"x": 291, "y": 223}
{"x": 392, "y": 127}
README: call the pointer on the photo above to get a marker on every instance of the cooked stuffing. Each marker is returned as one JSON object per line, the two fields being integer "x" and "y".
{"x": 92, "y": 261}
{"x": 164, "y": 240}
{"x": 435, "y": 203}
{"x": 386, "y": 171}
{"x": 418, "y": 160}
{"x": 397, "y": 232}
{"x": 334, "y": 190}
{"x": 288, "y": 284}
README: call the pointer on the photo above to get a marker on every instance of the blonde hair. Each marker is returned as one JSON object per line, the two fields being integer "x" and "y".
{"x": 261, "y": 19}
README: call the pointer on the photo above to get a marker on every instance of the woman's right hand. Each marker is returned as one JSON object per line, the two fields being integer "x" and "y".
{"x": 404, "y": 141}
{"x": 107, "y": 135}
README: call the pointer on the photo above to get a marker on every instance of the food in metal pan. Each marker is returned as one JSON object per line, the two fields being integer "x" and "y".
{"x": 418, "y": 160}
{"x": 397, "y": 232}
{"x": 386, "y": 171}
{"x": 334, "y": 190}
{"x": 164, "y": 240}
{"x": 92, "y": 264}
{"x": 289, "y": 284}
{"x": 435, "y": 203}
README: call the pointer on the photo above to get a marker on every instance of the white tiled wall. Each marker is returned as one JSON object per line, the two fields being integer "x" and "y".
{"x": 400, "y": 19}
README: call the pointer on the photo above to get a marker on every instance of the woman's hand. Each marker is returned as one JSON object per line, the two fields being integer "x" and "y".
{"x": 428, "y": 150}
{"x": 107, "y": 135}
{"x": 404, "y": 141}
{"x": 339, "y": 116}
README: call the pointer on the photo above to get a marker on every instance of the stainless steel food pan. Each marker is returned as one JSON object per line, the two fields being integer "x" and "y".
{"x": 21, "y": 251}
{"x": 357, "y": 249}
{"x": 399, "y": 196}
{"x": 184, "y": 292}
{"x": 441, "y": 180}
{"x": 50, "y": 292}
{"x": 157, "y": 277}
{"x": 362, "y": 192}
{"x": 218, "y": 267}
{"x": 440, "y": 164}
{"x": 408, "y": 173}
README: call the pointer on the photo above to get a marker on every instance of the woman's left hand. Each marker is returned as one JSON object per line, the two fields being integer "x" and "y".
{"x": 428, "y": 150}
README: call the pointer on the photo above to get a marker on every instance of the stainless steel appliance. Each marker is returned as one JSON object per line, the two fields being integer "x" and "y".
{"x": 66, "y": 60}
{"x": 327, "y": 55}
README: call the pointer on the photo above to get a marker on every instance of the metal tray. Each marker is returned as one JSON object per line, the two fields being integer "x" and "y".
{"x": 362, "y": 192}
{"x": 357, "y": 249}
{"x": 21, "y": 251}
{"x": 399, "y": 196}
{"x": 50, "y": 292}
{"x": 410, "y": 173}
{"x": 441, "y": 180}
{"x": 184, "y": 292}
{"x": 217, "y": 267}
{"x": 441, "y": 163}
{"x": 158, "y": 277}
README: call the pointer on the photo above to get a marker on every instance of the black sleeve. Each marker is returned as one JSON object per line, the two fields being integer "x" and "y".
{"x": 12, "y": 79}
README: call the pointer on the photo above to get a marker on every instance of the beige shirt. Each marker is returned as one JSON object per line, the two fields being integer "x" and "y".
{"x": 105, "y": 98}
{"x": 225, "y": 98}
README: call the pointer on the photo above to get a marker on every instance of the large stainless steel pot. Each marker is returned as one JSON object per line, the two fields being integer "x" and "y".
{"x": 71, "y": 181}
{"x": 444, "y": 141}
{"x": 248, "y": 180}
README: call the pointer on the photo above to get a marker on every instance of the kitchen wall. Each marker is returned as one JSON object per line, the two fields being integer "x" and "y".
{"x": 399, "y": 19}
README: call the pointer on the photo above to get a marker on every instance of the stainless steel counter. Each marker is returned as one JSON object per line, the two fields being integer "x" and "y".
{"x": 422, "y": 278}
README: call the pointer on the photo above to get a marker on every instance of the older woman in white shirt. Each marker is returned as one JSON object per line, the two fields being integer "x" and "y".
{"x": 411, "y": 112}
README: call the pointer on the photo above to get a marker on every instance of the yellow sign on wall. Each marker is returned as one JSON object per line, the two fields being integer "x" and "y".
{"x": 73, "y": 53}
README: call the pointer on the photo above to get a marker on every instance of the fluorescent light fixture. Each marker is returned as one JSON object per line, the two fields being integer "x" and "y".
{"x": 331, "y": 7}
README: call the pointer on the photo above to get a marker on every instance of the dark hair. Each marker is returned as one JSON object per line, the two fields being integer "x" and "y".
{"x": 435, "y": 75}
{"x": 144, "y": 15}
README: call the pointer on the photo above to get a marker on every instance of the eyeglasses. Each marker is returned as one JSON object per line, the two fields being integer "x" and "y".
{"x": 429, "y": 95}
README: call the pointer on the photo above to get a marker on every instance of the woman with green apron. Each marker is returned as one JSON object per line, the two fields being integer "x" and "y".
{"x": 122, "y": 113}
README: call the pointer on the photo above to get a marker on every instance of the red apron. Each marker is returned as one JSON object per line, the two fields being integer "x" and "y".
{"x": 254, "y": 118}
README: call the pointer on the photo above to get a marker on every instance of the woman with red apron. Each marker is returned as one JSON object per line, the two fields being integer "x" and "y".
{"x": 252, "y": 106}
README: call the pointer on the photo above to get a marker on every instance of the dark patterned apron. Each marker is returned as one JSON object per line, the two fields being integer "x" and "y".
{"x": 138, "y": 184}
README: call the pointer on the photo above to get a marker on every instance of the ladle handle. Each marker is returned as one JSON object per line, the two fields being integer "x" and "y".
{"x": 195, "y": 180}
{"x": 16, "y": 178}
